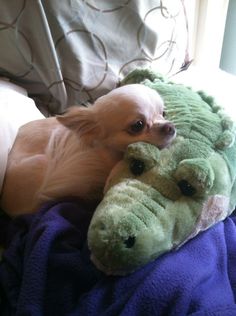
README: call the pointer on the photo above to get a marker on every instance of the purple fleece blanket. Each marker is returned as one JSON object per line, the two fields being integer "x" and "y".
{"x": 46, "y": 271}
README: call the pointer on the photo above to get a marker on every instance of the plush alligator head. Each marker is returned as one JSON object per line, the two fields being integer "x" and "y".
{"x": 157, "y": 200}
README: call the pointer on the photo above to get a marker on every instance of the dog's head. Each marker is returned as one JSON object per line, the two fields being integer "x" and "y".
{"x": 125, "y": 115}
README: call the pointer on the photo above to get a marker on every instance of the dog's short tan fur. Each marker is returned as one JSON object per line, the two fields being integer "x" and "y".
{"x": 72, "y": 154}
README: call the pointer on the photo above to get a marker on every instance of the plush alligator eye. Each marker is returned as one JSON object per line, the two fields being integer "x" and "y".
{"x": 137, "y": 127}
{"x": 186, "y": 188}
{"x": 164, "y": 114}
{"x": 137, "y": 167}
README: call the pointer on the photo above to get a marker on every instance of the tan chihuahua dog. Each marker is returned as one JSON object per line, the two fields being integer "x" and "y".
{"x": 73, "y": 154}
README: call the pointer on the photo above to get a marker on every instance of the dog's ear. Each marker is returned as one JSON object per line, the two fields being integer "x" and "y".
{"x": 79, "y": 119}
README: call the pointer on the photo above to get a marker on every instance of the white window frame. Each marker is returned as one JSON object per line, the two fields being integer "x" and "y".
{"x": 206, "y": 25}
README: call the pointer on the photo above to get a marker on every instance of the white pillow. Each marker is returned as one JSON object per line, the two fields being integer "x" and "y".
{"x": 16, "y": 109}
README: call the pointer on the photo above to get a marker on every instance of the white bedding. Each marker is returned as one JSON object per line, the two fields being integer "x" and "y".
{"x": 16, "y": 109}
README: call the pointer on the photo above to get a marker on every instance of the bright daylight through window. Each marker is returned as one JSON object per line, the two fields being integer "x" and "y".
{"x": 212, "y": 32}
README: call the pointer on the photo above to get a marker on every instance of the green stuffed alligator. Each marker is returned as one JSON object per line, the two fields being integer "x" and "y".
{"x": 156, "y": 200}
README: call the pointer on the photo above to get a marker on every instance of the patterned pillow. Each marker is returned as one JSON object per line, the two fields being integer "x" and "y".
{"x": 70, "y": 52}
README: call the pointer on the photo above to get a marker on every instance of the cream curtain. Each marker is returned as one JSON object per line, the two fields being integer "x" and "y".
{"x": 72, "y": 51}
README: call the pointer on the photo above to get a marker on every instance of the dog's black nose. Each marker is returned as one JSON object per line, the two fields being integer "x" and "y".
{"x": 168, "y": 128}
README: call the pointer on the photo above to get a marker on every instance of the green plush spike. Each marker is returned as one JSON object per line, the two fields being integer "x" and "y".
{"x": 156, "y": 200}
{"x": 139, "y": 75}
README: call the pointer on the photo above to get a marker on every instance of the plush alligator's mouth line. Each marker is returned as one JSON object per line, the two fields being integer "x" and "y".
{"x": 108, "y": 270}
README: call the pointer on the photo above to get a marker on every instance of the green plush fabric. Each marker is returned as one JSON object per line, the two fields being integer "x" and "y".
{"x": 156, "y": 200}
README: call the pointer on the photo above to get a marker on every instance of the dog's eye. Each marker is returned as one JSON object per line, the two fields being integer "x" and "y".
{"x": 137, "y": 167}
{"x": 137, "y": 127}
{"x": 164, "y": 113}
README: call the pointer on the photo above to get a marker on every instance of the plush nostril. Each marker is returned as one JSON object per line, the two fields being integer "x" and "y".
{"x": 168, "y": 128}
{"x": 101, "y": 226}
{"x": 129, "y": 242}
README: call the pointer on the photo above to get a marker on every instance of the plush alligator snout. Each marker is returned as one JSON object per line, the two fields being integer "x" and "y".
{"x": 127, "y": 233}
